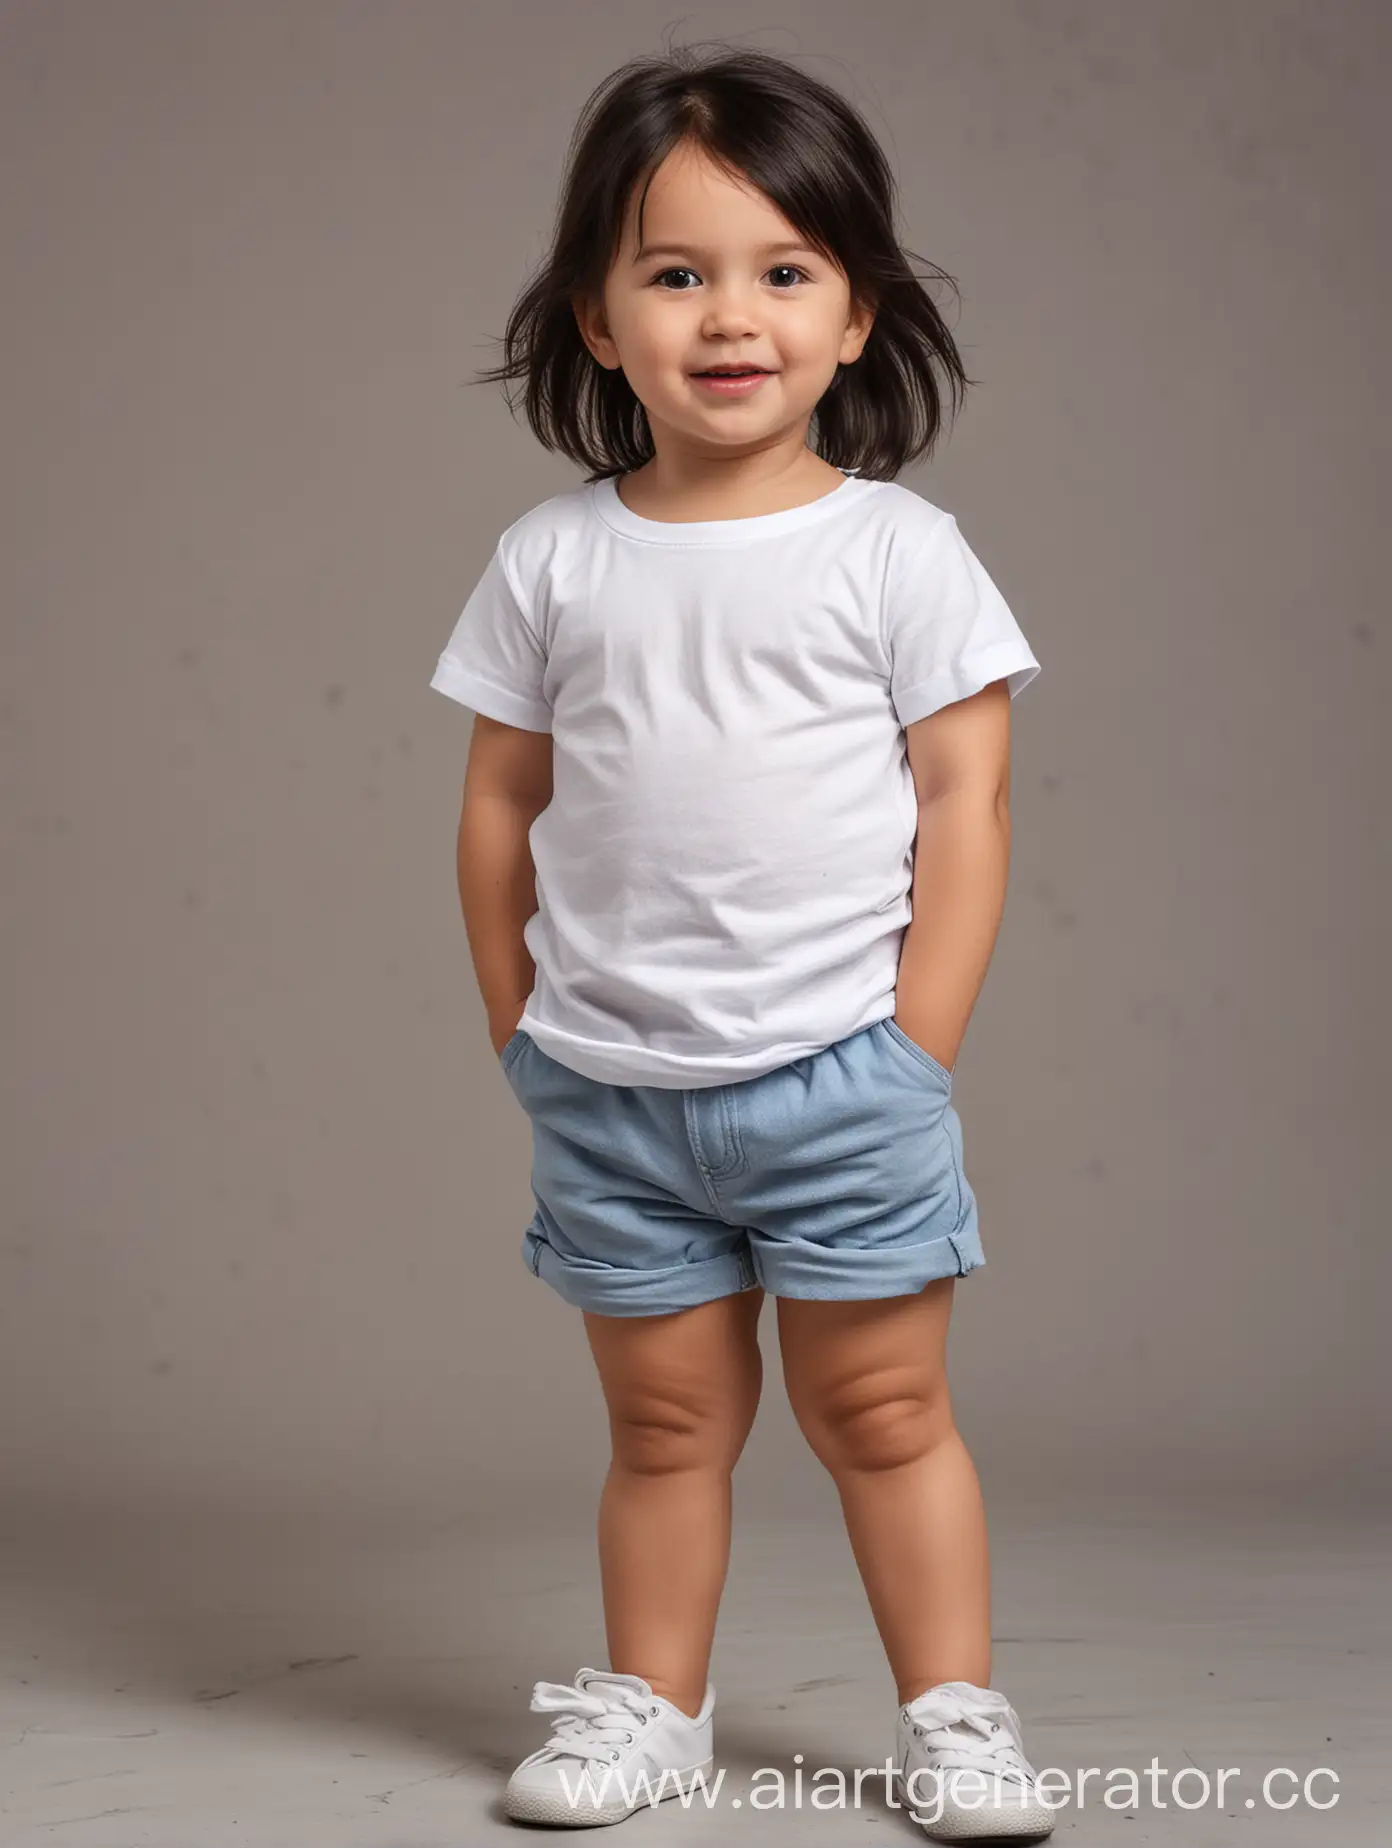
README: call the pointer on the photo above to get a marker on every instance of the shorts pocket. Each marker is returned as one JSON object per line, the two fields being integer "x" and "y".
{"x": 917, "y": 1053}
{"x": 511, "y": 1050}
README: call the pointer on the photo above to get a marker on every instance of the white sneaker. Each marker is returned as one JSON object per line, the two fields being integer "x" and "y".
{"x": 615, "y": 1747}
{"x": 957, "y": 1729}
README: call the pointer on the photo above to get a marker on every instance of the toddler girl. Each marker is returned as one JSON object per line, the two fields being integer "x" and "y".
{"x": 732, "y": 858}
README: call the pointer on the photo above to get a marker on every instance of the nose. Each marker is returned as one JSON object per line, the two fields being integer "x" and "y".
{"x": 729, "y": 313}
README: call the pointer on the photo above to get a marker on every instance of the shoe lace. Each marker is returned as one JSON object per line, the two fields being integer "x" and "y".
{"x": 589, "y": 1721}
{"x": 977, "y": 1732}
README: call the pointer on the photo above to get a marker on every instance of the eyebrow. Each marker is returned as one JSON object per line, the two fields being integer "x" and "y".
{"x": 698, "y": 250}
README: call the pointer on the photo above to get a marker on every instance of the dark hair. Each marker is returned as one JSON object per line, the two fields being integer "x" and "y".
{"x": 810, "y": 152}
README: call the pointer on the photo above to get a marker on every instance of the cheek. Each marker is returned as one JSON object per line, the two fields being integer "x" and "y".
{"x": 661, "y": 335}
{"x": 816, "y": 334}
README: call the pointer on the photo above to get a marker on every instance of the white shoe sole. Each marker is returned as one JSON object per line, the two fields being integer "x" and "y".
{"x": 552, "y": 1806}
{"x": 1027, "y": 1823}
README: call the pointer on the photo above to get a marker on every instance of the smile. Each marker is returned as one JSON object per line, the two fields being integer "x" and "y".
{"x": 730, "y": 384}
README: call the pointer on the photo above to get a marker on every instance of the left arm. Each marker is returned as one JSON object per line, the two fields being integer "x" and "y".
{"x": 960, "y": 759}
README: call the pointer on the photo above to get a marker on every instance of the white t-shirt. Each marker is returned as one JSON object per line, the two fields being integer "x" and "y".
{"x": 724, "y": 871}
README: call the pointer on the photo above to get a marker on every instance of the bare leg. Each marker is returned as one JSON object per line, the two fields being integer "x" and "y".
{"x": 681, "y": 1390}
{"x": 868, "y": 1385}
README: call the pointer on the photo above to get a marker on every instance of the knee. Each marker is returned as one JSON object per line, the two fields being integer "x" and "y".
{"x": 880, "y": 1433}
{"x": 665, "y": 1436}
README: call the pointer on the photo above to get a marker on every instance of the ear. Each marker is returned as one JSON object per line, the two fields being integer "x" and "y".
{"x": 594, "y": 330}
{"x": 859, "y": 322}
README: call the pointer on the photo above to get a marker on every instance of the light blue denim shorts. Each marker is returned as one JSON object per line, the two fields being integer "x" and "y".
{"x": 836, "y": 1177}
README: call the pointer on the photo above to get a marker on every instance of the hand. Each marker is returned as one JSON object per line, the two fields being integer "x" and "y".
{"x": 501, "y": 1030}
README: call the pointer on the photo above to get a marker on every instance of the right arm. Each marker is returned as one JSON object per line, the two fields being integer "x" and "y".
{"x": 507, "y": 783}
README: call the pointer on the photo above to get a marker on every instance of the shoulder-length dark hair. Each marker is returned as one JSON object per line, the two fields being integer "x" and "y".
{"x": 811, "y": 153}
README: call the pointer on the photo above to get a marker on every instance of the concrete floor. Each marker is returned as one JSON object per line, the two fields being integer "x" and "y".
{"x": 195, "y": 1684}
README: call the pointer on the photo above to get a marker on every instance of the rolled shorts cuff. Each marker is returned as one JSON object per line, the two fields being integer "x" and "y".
{"x": 829, "y": 1273}
{"x": 607, "y": 1290}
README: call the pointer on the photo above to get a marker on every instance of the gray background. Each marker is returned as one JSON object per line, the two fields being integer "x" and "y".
{"x": 266, "y": 1185}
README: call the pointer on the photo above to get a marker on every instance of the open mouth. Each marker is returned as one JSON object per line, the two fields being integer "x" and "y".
{"x": 740, "y": 384}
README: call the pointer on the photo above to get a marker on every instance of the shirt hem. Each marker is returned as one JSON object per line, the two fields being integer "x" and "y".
{"x": 641, "y": 1065}
{"x": 1009, "y": 661}
{"x": 494, "y": 702}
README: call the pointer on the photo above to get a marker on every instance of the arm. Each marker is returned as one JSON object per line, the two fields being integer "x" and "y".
{"x": 507, "y": 783}
{"x": 960, "y": 758}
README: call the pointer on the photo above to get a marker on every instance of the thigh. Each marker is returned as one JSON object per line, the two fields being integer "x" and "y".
{"x": 682, "y": 1386}
{"x": 868, "y": 1364}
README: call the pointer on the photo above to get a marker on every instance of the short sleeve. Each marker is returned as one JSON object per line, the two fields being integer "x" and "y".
{"x": 948, "y": 630}
{"x": 494, "y": 662}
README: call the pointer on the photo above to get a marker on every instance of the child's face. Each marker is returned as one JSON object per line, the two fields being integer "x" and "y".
{"x": 708, "y": 289}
